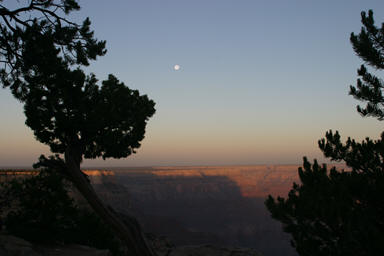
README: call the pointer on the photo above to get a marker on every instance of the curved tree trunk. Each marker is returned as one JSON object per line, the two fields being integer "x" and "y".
{"x": 129, "y": 232}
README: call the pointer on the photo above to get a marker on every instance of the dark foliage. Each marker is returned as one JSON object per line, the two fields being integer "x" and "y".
{"x": 40, "y": 210}
{"x": 67, "y": 110}
{"x": 333, "y": 212}
{"x": 369, "y": 45}
{"x": 35, "y": 18}
{"x": 65, "y": 107}
{"x": 337, "y": 212}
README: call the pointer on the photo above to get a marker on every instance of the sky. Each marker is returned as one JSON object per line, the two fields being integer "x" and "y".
{"x": 260, "y": 82}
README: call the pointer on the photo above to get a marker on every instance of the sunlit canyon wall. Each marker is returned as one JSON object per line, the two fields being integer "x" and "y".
{"x": 222, "y": 205}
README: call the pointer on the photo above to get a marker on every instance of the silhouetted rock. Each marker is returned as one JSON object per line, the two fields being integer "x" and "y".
{"x": 74, "y": 250}
{"x": 208, "y": 250}
{"x": 164, "y": 247}
{"x": 160, "y": 244}
{"x": 15, "y": 246}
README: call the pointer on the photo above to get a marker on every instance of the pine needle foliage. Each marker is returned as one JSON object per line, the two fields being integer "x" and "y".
{"x": 40, "y": 209}
{"x": 341, "y": 212}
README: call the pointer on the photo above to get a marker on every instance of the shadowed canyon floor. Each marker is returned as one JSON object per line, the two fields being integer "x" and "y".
{"x": 221, "y": 205}
{"x": 218, "y": 205}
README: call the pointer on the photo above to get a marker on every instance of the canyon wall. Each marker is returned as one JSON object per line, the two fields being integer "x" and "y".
{"x": 221, "y": 205}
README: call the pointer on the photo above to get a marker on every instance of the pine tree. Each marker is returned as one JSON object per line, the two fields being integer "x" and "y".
{"x": 341, "y": 212}
{"x": 71, "y": 112}
{"x": 75, "y": 41}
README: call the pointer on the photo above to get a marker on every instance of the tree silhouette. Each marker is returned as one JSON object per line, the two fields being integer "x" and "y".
{"x": 76, "y": 41}
{"x": 337, "y": 212}
{"x": 67, "y": 109}
{"x": 23, "y": 203}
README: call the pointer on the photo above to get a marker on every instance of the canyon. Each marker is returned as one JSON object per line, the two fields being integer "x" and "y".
{"x": 219, "y": 205}
{"x": 196, "y": 205}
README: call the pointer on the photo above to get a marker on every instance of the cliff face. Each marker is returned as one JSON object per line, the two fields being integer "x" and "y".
{"x": 251, "y": 181}
{"x": 221, "y": 182}
{"x": 223, "y": 206}
{"x": 7, "y": 174}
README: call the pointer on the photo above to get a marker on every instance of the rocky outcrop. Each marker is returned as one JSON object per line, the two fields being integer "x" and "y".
{"x": 74, "y": 250}
{"x": 14, "y": 246}
{"x": 207, "y": 250}
{"x": 164, "y": 247}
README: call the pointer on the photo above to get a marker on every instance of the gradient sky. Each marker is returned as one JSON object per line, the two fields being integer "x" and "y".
{"x": 260, "y": 81}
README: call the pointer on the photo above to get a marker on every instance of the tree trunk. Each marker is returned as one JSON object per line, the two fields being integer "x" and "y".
{"x": 129, "y": 232}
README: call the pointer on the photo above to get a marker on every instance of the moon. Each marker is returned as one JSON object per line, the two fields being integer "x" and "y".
{"x": 176, "y": 67}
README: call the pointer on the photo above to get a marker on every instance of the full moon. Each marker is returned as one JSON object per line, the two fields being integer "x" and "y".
{"x": 176, "y": 67}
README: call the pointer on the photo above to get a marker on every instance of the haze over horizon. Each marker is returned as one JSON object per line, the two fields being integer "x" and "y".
{"x": 260, "y": 82}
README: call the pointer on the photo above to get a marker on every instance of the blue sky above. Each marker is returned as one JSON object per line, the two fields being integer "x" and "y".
{"x": 260, "y": 81}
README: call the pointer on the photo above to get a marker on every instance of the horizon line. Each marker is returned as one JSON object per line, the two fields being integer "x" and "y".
{"x": 191, "y": 165}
